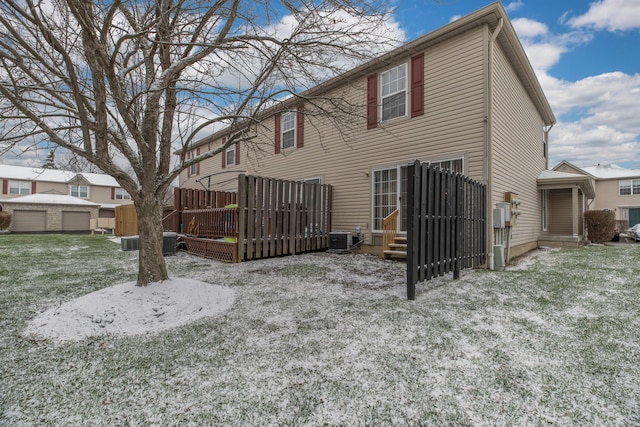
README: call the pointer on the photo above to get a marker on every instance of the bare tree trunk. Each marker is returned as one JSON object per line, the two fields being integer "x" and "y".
{"x": 151, "y": 265}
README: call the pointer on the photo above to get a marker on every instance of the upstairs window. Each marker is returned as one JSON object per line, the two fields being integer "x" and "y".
{"x": 289, "y": 130}
{"x": 231, "y": 155}
{"x": 121, "y": 194}
{"x": 629, "y": 187}
{"x": 394, "y": 92}
{"x": 81, "y": 191}
{"x": 193, "y": 169}
{"x": 22, "y": 188}
{"x": 288, "y": 137}
{"x": 397, "y": 92}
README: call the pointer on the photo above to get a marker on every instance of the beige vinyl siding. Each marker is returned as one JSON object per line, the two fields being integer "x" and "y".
{"x": 608, "y": 197}
{"x": 451, "y": 127}
{"x": 560, "y": 212}
{"x": 517, "y": 150}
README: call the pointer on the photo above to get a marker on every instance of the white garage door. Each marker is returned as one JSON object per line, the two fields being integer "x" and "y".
{"x": 29, "y": 220}
{"x": 75, "y": 221}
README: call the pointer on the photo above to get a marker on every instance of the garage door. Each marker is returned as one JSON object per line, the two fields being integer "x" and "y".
{"x": 75, "y": 221}
{"x": 29, "y": 220}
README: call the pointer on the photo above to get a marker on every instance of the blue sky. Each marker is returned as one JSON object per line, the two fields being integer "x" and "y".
{"x": 587, "y": 58}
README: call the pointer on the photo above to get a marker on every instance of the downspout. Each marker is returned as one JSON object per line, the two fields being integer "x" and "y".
{"x": 488, "y": 141}
{"x": 546, "y": 131}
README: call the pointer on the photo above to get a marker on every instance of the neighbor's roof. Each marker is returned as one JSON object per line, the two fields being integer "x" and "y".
{"x": 100, "y": 179}
{"x": 35, "y": 174}
{"x": 55, "y": 175}
{"x": 611, "y": 171}
{"x": 50, "y": 199}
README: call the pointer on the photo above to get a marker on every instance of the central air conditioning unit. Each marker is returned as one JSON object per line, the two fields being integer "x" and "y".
{"x": 129, "y": 243}
{"x": 340, "y": 242}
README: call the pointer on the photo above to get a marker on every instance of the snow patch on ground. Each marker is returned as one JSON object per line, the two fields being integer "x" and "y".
{"x": 127, "y": 309}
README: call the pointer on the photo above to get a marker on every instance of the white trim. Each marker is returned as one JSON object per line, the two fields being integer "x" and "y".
{"x": 405, "y": 89}
{"x": 293, "y": 129}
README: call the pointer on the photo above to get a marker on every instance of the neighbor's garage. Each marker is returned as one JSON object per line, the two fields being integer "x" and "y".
{"x": 75, "y": 221}
{"x": 24, "y": 220}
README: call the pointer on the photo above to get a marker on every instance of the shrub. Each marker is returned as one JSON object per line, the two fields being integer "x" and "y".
{"x": 5, "y": 220}
{"x": 600, "y": 225}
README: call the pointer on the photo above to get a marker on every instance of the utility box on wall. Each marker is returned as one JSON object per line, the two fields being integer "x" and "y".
{"x": 513, "y": 201}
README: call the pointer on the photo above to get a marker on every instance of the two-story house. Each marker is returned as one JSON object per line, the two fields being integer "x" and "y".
{"x": 58, "y": 200}
{"x": 616, "y": 188}
{"x": 463, "y": 97}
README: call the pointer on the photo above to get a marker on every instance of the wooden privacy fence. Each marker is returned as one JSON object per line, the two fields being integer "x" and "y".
{"x": 446, "y": 224}
{"x": 185, "y": 199}
{"x": 126, "y": 221}
{"x": 281, "y": 217}
{"x": 272, "y": 217}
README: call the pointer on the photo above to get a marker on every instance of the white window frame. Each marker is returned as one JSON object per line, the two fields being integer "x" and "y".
{"x": 79, "y": 191}
{"x": 393, "y": 84}
{"x": 231, "y": 150}
{"x": 22, "y": 188}
{"x": 313, "y": 179}
{"x": 630, "y": 185}
{"x": 440, "y": 164}
{"x": 121, "y": 194}
{"x": 288, "y": 122}
{"x": 193, "y": 169}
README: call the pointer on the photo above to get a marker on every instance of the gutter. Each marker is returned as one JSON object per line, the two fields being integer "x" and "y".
{"x": 488, "y": 141}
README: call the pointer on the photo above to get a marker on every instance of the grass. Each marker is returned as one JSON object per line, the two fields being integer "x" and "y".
{"x": 325, "y": 339}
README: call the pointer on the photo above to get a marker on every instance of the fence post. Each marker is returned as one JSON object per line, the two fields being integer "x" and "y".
{"x": 242, "y": 205}
{"x": 413, "y": 228}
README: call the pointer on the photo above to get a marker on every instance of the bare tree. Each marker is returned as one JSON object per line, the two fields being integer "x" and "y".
{"x": 126, "y": 83}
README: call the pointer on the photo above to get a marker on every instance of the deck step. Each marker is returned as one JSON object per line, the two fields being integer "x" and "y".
{"x": 396, "y": 246}
{"x": 395, "y": 254}
{"x": 400, "y": 239}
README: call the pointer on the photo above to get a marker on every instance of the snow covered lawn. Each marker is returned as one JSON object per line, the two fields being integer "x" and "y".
{"x": 326, "y": 339}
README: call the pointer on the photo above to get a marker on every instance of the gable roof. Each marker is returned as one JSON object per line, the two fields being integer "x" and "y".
{"x": 23, "y": 173}
{"x": 598, "y": 172}
{"x": 50, "y": 199}
{"x": 490, "y": 15}
{"x": 611, "y": 171}
{"x": 35, "y": 174}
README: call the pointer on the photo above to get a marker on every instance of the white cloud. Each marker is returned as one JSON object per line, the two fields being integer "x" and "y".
{"x": 543, "y": 48}
{"x": 529, "y": 28}
{"x": 514, "y": 5}
{"x": 606, "y": 118}
{"x": 612, "y": 15}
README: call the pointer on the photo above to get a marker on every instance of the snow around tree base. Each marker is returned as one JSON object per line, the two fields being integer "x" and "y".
{"x": 127, "y": 309}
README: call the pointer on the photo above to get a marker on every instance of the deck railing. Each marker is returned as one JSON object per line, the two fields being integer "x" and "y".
{"x": 211, "y": 223}
{"x": 389, "y": 230}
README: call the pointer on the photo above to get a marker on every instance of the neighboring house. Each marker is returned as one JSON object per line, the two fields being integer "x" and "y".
{"x": 463, "y": 97}
{"x": 63, "y": 198}
{"x": 616, "y": 188}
